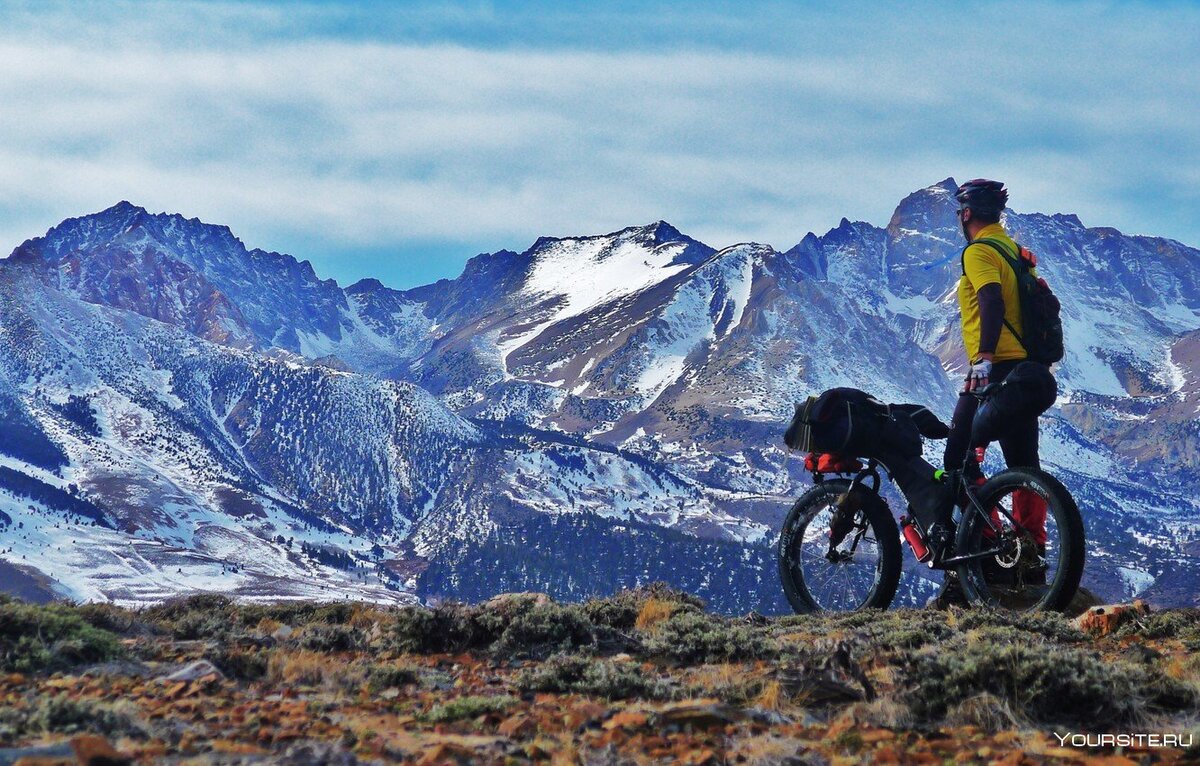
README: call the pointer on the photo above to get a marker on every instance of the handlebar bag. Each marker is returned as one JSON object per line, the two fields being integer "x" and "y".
{"x": 849, "y": 421}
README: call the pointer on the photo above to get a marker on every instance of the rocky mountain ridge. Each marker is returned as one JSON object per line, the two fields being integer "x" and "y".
{"x": 639, "y": 377}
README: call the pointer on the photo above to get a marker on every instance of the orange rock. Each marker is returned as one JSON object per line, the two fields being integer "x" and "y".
{"x": 627, "y": 719}
{"x": 700, "y": 758}
{"x": 519, "y": 726}
{"x": 582, "y": 714}
{"x": 176, "y": 690}
{"x": 886, "y": 755}
{"x": 539, "y": 750}
{"x": 699, "y": 714}
{"x": 446, "y": 753}
{"x": 1102, "y": 620}
{"x": 235, "y": 748}
{"x": 92, "y": 750}
{"x": 839, "y": 727}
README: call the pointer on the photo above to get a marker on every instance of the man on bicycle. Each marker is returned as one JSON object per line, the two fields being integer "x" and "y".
{"x": 991, "y": 314}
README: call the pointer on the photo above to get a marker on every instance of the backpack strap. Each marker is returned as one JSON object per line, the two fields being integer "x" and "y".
{"x": 1000, "y": 248}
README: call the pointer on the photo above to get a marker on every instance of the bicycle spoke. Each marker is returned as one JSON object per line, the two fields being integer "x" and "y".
{"x": 1019, "y": 577}
{"x": 842, "y": 577}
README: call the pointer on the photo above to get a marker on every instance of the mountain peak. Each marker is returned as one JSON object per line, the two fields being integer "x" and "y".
{"x": 366, "y": 285}
{"x": 124, "y": 207}
{"x": 928, "y": 208}
{"x": 653, "y": 234}
{"x": 946, "y": 184}
{"x": 664, "y": 231}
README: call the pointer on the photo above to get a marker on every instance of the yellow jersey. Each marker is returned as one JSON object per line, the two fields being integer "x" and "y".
{"x": 982, "y": 265}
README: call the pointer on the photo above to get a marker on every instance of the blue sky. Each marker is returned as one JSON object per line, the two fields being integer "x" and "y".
{"x": 396, "y": 140}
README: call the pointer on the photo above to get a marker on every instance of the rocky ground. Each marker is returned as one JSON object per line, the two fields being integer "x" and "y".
{"x": 645, "y": 676}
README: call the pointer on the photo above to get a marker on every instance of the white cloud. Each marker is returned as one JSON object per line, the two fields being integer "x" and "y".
{"x": 370, "y": 143}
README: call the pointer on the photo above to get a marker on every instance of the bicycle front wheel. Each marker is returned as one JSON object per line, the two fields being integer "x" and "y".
{"x": 860, "y": 572}
{"x": 1026, "y": 552}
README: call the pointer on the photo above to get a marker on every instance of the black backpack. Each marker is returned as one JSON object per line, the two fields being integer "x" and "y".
{"x": 1040, "y": 308}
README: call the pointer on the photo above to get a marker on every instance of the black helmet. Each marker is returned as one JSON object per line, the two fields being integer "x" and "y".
{"x": 983, "y": 196}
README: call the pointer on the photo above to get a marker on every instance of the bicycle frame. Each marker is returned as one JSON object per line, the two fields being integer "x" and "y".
{"x": 871, "y": 471}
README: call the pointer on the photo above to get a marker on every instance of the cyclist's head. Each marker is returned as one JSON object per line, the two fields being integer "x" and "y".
{"x": 980, "y": 203}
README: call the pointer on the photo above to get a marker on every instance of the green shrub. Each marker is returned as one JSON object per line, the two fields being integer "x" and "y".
{"x": 620, "y": 610}
{"x": 469, "y": 707}
{"x": 545, "y": 628}
{"x": 59, "y": 715}
{"x": 196, "y": 626}
{"x": 1050, "y": 625}
{"x": 511, "y": 629}
{"x": 893, "y": 630}
{"x": 593, "y": 677}
{"x": 445, "y": 628}
{"x": 833, "y": 622}
{"x": 1045, "y": 683}
{"x": 36, "y": 638}
{"x": 1183, "y": 624}
{"x": 297, "y": 613}
{"x": 329, "y": 638}
{"x": 174, "y": 609}
{"x": 240, "y": 664}
{"x": 113, "y": 619}
{"x": 380, "y": 677}
{"x": 694, "y": 637}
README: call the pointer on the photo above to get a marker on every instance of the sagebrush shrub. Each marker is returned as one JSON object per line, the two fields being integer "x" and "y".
{"x": 693, "y": 637}
{"x": 36, "y": 638}
{"x": 1045, "y": 683}
{"x": 594, "y": 677}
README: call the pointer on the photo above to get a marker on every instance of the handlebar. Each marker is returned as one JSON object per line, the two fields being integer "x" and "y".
{"x": 983, "y": 393}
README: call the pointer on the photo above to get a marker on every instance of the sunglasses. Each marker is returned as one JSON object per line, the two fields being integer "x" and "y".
{"x": 960, "y": 211}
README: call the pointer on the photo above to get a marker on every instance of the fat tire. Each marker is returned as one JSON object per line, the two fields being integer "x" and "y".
{"x": 886, "y": 534}
{"x": 1067, "y": 517}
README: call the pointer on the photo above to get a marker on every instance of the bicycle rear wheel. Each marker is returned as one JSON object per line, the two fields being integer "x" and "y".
{"x": 1035, "y": 565}
{"x": 860, "y": 572}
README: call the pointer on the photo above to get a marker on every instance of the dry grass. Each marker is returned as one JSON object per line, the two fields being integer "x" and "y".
{"x": 886, "y": 711}
{"x": 366, "y": 616}
{"x": 653, "y": 612}
{"x": 771, "y": 697}
{"x": 301, "y": 668}
{"x": 985, "y": 711}
{"x": 565, "y": 753}
{"x": 1185, "y": 667}
{"x": 730, "y": 682}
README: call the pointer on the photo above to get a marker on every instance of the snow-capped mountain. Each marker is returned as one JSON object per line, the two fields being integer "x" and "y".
{"x": 592, "y": 412}
{"x": 138, "y": 460}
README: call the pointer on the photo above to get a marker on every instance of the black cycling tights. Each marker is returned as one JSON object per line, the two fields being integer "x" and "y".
{"x": 1020, "y": 446}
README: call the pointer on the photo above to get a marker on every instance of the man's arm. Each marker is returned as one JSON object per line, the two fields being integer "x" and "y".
{"x": 991, "y": 318}
{"x": 982, "y": 268}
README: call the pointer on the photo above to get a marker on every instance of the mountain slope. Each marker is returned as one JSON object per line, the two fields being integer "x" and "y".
{"x": 138, "y": 460}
